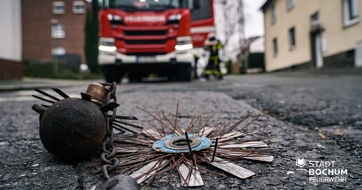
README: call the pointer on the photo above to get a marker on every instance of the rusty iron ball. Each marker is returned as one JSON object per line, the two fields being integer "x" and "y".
{"x": 71, "y": 129}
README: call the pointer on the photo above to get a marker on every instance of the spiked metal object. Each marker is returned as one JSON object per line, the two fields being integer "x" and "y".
{"x": 73, "y": 128}
{"x": 167, "y": 147}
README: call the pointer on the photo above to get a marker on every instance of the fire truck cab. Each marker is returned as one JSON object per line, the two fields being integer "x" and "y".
{"x": 142, "y": 37}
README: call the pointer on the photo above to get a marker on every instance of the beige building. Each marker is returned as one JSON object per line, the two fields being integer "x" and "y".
{"x": 312, "y": 33}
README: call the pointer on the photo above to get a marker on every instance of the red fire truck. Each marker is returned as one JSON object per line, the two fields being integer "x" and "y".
{"x": 142, "y": 37}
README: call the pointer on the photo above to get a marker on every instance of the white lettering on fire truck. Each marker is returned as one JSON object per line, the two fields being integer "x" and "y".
{"x": 145, "y": 19}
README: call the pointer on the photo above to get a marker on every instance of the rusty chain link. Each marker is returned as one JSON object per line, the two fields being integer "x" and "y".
{"x": 109, "y": 151}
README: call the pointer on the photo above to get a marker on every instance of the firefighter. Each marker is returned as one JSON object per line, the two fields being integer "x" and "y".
{"x": 213, "y": 46}
{"x": 196, "y": 59}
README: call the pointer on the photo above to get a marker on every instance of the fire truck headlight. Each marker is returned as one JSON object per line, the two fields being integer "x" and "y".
{"x": 115, "y": 19}
{"x": 183, "y": 43}
{"x": 174, "y": 19}
{"x": 106, "y": 45}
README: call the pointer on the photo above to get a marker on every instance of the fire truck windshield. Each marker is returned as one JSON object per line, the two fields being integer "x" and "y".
{"x": 144, "y": 5}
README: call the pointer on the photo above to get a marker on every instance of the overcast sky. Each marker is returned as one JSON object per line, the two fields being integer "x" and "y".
{"x": 254, "y": 23}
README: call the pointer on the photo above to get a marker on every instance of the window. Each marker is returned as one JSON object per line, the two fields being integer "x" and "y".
{"x": 273, "y": 14}
{"x": 58, "y": 51}
{"x": 58, "y": 7}
{"x": 275, "y": 46}
{"x": 78, "y": 7}
{"x": 292, "y": 41}
{"x": 58, "y": 30}
{"x": 290, "y": 4}
{"x": 195, "y": 4}
{"x": 314, "y": 19}
{"x": 350, "y": 12}
{"x": 198, "y": 10}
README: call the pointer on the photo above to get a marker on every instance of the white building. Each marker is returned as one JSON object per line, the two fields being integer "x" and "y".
{"x": 10, "y": 38}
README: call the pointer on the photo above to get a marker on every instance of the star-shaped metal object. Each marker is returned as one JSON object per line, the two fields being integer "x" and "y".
{"x": 166, "y": 147}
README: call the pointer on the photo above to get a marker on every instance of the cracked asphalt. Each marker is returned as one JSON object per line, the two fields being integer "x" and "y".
{"x": 312, "y": 115}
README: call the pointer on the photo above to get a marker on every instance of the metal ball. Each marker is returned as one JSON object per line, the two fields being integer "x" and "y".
{"x": 72, "y": 129}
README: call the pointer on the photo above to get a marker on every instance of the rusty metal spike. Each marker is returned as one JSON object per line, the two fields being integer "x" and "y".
{"x": 123, "y": 128}
{"x": 125, "y": 117}
{"x": 85, "y": 96}
{"x": 61, "y": 93}
{"x": 189, "y": 145}
{"x": 41, "y": 98}
{"x": 38, "y": 108}
{"x": 125, "y": 123}
{"x": 109, "y": 107}
{"x": 215, "y": 148}
{"x": 46, "y": 94}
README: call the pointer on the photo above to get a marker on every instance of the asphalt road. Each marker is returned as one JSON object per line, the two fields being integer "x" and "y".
{"x": 312, "y": 115}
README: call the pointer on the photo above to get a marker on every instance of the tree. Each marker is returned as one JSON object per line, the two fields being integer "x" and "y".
{"x": 229, "y": 19}
{"x": 91, "y": 38}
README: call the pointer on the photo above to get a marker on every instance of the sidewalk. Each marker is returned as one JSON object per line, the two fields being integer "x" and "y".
{"x": 343, "y": 71}
{"x": 31, "y": 83}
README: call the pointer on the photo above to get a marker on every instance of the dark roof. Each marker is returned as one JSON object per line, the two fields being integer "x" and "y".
{"x": 253, "y": 38}
{"x": 266, "y": 5}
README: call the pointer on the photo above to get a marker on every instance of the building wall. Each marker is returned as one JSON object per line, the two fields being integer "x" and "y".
{"x": 37, "y": 40}
{"x": 10, "y": 70}
{"x": 10, "y": 38}
{"x": 336, "y": 38}
{"x": 36, "y": 29}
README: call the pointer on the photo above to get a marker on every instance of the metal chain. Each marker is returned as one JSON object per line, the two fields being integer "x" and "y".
{"x": 109, "y": 151}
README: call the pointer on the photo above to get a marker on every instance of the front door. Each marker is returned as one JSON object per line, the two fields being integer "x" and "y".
{"x": 317, "y": 49}
{"x": 358, "y": 54}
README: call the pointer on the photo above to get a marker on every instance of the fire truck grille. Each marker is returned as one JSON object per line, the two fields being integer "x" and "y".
{"x": 145, "y": 32}
{"x": 144, "y": 42}
{"x": 145, "y": 53}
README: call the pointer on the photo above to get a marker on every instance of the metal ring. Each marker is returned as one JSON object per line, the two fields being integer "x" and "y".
{"x": 180, "y": 142}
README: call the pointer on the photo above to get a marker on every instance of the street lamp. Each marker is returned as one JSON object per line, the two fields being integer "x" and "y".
{"x": 54, "y": 23}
